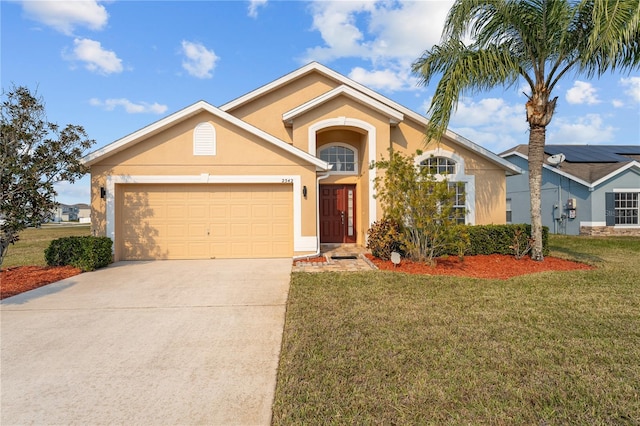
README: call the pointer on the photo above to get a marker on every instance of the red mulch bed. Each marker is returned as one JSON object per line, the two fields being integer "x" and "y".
{"x": 496, "y": 266}
{"x": 24, "y": 278}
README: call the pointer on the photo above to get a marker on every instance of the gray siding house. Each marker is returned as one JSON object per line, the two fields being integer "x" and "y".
{"x": 594, "y": 190}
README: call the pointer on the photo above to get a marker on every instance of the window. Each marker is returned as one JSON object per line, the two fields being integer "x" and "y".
{"x": 343, "y": 158}
{"x": 508, "y": 210}
{"x": 626, "y": 208}
{"x": 459, "y": 201}
{"x": 622, "y": 208}
{"x": 204, "y": 139}
{"x": 439, "y": 165}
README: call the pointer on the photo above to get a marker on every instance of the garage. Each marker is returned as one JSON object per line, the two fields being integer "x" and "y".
{"x": 204, "y": 221}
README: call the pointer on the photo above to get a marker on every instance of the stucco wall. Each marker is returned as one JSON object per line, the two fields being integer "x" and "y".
{"x": 171, "y": 153}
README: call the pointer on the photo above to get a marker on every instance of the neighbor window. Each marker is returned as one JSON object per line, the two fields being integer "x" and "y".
{"x": 626, "y": 208}
{"x": 344, "y": 159}
{"x": 508, "y": 210}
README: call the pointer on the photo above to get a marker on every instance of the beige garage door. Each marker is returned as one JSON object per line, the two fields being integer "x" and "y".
{"x": 204, "y": 221}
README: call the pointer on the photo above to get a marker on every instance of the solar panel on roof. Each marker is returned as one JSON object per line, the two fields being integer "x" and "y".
{"x": 593, "y": 153}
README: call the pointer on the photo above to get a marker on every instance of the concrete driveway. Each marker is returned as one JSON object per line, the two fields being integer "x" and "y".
{"x": 165, "y": 342}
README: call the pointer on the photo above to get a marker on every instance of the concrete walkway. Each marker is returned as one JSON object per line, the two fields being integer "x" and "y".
{"x": 166, "y": 342}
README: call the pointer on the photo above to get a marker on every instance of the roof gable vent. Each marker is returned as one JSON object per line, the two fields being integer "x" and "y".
{"x": 204, "y": 139}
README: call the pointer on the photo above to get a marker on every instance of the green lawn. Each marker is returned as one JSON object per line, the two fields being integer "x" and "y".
{"x": 545, "y": 349}
{"x": 33, "y": 241}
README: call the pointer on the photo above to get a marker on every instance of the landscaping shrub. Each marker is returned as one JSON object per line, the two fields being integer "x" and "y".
{"x": 500, "y": 239}
{"x": 385, "y": 237}
{"x": 423, "y": 203}
{"x": 87, "y": 253}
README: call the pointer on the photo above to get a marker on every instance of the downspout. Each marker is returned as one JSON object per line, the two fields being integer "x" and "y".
{"x": 317, "y": 253}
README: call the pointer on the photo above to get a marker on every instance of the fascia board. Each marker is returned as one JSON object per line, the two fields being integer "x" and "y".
{"x": 632, "y": 164}
{"x": 269, "y": 86}
{"x": 199, "y": 106}
{"x": 393, "y": 115}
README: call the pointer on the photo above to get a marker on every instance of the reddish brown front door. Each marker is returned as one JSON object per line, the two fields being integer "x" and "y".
{"x": 337, "y": 213}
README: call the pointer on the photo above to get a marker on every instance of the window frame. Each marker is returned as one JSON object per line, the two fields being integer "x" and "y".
{"x": 449, "y": 163}
{"x": 356, "y": 163}
{"x": 631, "y": 208}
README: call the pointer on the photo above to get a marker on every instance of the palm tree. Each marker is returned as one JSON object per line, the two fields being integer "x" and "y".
{"x": 539, "y": 41}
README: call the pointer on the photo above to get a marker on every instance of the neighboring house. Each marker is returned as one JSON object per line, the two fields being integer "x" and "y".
{"x": 273, "y": 173}
{"x": 64, "y": 213}
{"x": 84, "y": 213}
{"x": 595, "y": 190}
{"x": 84, "y": 210}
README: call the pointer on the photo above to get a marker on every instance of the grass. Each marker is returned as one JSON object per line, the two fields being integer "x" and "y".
{"x": 390, "y": 348}
{"x": 29, "y": 250}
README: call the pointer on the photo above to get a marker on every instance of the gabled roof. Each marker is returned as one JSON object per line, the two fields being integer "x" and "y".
{"x": 510, "y": 168}
{"x": 200, "y": 106}
{"x": 394, "y": 116}
{"x": 588, "y": 165}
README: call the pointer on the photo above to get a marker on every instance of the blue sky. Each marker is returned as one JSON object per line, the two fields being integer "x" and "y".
{"x": 117, "y": 66}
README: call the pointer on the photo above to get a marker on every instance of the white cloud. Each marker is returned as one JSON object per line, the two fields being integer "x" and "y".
{"x": 617, "y": 103}
{"x": 129, "y": 107}
{"x": 632, "y": 86}
{"x": 254, "y": 5}
{"x": 64, "y": 16}
{"x": 589, "y": 129}
{"x": 95, "y": 57}
{"x": 376, "y": 30}
{"x": 582, "y": 93}
{"x": 390, "y": 35}
{"x": 199, "y": 61}
{"x": 491, "y": 122}
{"x": 387, "y": 79}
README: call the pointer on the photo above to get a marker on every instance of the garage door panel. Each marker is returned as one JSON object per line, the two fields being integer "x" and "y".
{"x": 205, "y": 221}
{"x": 240, "y": 211}
{"x": 177, "y": 230}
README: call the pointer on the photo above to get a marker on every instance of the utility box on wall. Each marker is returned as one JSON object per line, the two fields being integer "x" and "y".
{"x": 571, "y": 206}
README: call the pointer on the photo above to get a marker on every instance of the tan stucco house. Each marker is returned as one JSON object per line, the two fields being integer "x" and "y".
{"x": 273, "y": 173}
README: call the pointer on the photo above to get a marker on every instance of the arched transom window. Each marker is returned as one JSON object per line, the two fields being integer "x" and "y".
{"x": 439, "y": 165}
{"x": 344, "y": 158}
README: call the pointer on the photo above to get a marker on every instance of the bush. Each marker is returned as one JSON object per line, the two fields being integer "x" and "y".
{"x": 500, "y": 239}
{"x": 385, "y": 237}
{"x": 86, "y": 253}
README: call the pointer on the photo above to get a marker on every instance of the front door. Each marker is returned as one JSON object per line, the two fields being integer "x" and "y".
{"x": 337, "y": 213}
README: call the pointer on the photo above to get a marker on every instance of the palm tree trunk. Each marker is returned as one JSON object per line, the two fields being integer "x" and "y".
{"x": 537, "y": 136}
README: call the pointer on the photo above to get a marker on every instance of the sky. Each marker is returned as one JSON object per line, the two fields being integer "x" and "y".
{"x": 116, "y": 66}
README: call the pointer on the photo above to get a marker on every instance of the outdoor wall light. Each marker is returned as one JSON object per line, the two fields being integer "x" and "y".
{"x": 103, "y": 192}
{"x": 304, "y": 191}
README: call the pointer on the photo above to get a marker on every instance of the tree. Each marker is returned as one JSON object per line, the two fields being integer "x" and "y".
{"x": 422, "y": 205}
{"x": 35, "y": 155}
{"x": 539, "y": 41}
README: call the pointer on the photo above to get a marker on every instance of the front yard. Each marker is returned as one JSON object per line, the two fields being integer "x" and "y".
{"x": 391, "y": 348}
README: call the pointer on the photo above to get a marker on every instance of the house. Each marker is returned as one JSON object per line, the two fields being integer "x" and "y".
{"x": 273, "y": 173}
{"x": 64, "y": 213}
{"x": 586, "y": 189}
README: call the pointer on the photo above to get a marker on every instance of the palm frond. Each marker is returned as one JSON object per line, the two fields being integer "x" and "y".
{"x": 463, "y": 70}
